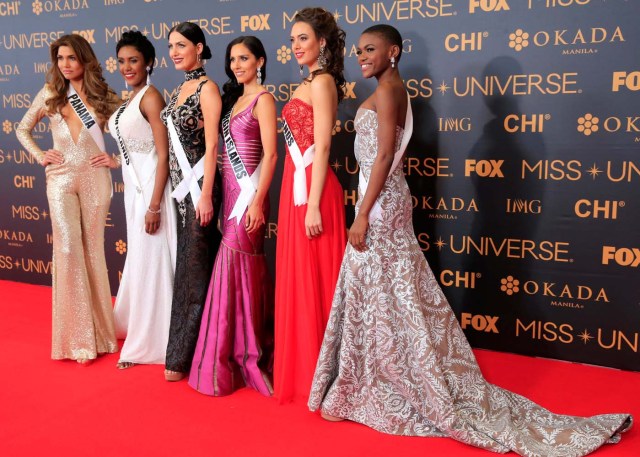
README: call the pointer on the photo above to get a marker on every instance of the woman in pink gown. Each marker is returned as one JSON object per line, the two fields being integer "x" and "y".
{"x": 236, "y": 334}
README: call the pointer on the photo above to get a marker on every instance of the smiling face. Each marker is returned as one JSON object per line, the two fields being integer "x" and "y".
{"x": 305, "y": 44}
{"x": 183, "y": 52}
{"x": 133, "y": 68}
{"x": 374, "y": 54}
{"x": 243, "y": 63}
{"x": 68, "y": 64}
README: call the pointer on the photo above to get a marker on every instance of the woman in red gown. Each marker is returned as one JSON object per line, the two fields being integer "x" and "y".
{"x": 311, "y": 231}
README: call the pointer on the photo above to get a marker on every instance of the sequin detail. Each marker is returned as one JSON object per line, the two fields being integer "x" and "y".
{"x": 79, "y": 197}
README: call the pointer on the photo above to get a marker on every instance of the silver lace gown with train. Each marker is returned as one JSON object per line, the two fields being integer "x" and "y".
{"x": 395, "y": 358}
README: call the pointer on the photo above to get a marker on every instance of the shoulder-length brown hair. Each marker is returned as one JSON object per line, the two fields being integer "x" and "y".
{"x": 99, "y": 95}
{"x": 324, "y": 25}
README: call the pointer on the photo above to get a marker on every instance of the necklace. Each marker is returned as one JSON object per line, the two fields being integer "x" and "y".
{"x": 194, "y": 74}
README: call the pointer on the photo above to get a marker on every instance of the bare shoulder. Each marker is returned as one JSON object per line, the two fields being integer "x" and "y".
{"x": 153, "y": 95}
{"x": 210, "y": 87}
{"x": 322, "y": 82}
{"x": 152, "y": 100}
{"x": 266, "y": 99}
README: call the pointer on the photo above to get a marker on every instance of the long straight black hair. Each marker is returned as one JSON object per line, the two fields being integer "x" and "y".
{"x": 231, "y": 90}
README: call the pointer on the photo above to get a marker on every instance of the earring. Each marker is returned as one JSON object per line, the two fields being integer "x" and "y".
{"x": 393, "y": 62}
{"x": 259, "y": 75}
{"x": 148, "y": 75}
{"x": 301, "y": 72}
{"x": 322, "y": 59}
{"x": 126, "y": 85}
{"x": 199, "y": 58}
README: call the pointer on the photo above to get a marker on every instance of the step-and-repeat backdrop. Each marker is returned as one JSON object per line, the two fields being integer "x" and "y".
{"x": 524, "y": 165}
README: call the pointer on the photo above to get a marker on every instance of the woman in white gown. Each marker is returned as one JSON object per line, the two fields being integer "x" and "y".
{"x": 143, "y": 304}
{"x": 393, "y": 356}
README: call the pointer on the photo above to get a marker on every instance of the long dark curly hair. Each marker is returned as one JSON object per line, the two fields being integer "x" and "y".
{"x": 231, "y": 90}
{"x": 99, "y": 95}
{"x": 324, "y": 25}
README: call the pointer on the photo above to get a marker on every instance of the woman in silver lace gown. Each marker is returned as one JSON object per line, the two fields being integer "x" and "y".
{"x": 394, "y": 357}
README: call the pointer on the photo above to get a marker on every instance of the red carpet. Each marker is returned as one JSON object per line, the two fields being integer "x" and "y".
{"x": 60, "y": 408}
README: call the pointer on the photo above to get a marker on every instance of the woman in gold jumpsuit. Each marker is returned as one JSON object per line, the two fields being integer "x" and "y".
{"x": 79, "y": 193}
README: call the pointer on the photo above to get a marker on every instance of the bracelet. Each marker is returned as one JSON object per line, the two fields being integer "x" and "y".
{"x": 158, "y": 211}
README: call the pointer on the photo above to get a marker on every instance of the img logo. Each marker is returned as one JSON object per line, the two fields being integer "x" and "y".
{"x": 488, "y": 6}
{"x": 521, "y": 206}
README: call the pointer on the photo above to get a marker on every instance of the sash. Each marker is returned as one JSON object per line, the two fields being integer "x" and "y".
{"x": 85, "y": 116}
{"x": 123, "y": 149}
{"x": 190, "y": 176}
{"x": 300, "y": 161}
{"x": 376, "y": 210}
{"x": 87, "y": 120}
{"x": 248, "y": 184}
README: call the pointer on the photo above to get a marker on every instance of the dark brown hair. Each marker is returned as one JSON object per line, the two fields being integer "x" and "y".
{"x": 324, "y": 25}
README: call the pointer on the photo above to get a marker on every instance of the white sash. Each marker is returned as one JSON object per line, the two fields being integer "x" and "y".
{"x": 190, "y": 176}
{"x": 301, "y": 162}
{"x": 248, "y": 184}
{"x": 123, "y": 149}
{"x": 376, "y": 210}
{"x": 87, "y": 119}
{"x": 85, "y": 116}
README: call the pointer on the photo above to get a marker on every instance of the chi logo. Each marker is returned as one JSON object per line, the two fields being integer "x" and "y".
{"x": 7, "y": 126}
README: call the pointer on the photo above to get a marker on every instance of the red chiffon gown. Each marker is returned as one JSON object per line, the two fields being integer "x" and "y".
{"x": 306, "y": 270}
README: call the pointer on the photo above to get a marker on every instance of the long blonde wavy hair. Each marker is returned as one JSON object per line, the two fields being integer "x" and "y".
{"x": 99, "y": 95}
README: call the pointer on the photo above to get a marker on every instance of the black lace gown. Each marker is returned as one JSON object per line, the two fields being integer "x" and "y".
{"x": 197, "y": 246}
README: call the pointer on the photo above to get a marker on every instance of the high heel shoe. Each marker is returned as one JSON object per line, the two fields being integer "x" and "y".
{"x": 124, "y": 365}
{"x": 173, "y": 376}
{"x": 330, "y": 418}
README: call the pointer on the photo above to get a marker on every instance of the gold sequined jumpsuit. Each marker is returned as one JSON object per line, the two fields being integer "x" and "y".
{"x": 79, "y": 197}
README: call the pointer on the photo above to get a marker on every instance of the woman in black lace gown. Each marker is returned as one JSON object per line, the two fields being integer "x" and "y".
{"x": 194, "y": 111}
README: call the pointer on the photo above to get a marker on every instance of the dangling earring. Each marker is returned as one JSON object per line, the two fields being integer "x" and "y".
{"x": 148, "y": 75}
{"x": 126, "y": 85}
{"x": 322, "y": 59}
{"x": 259, "y": 75}
{"x": 199, "y": 58}
{"x": 301, "y": 72}
{"x": 393, "y": 62}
